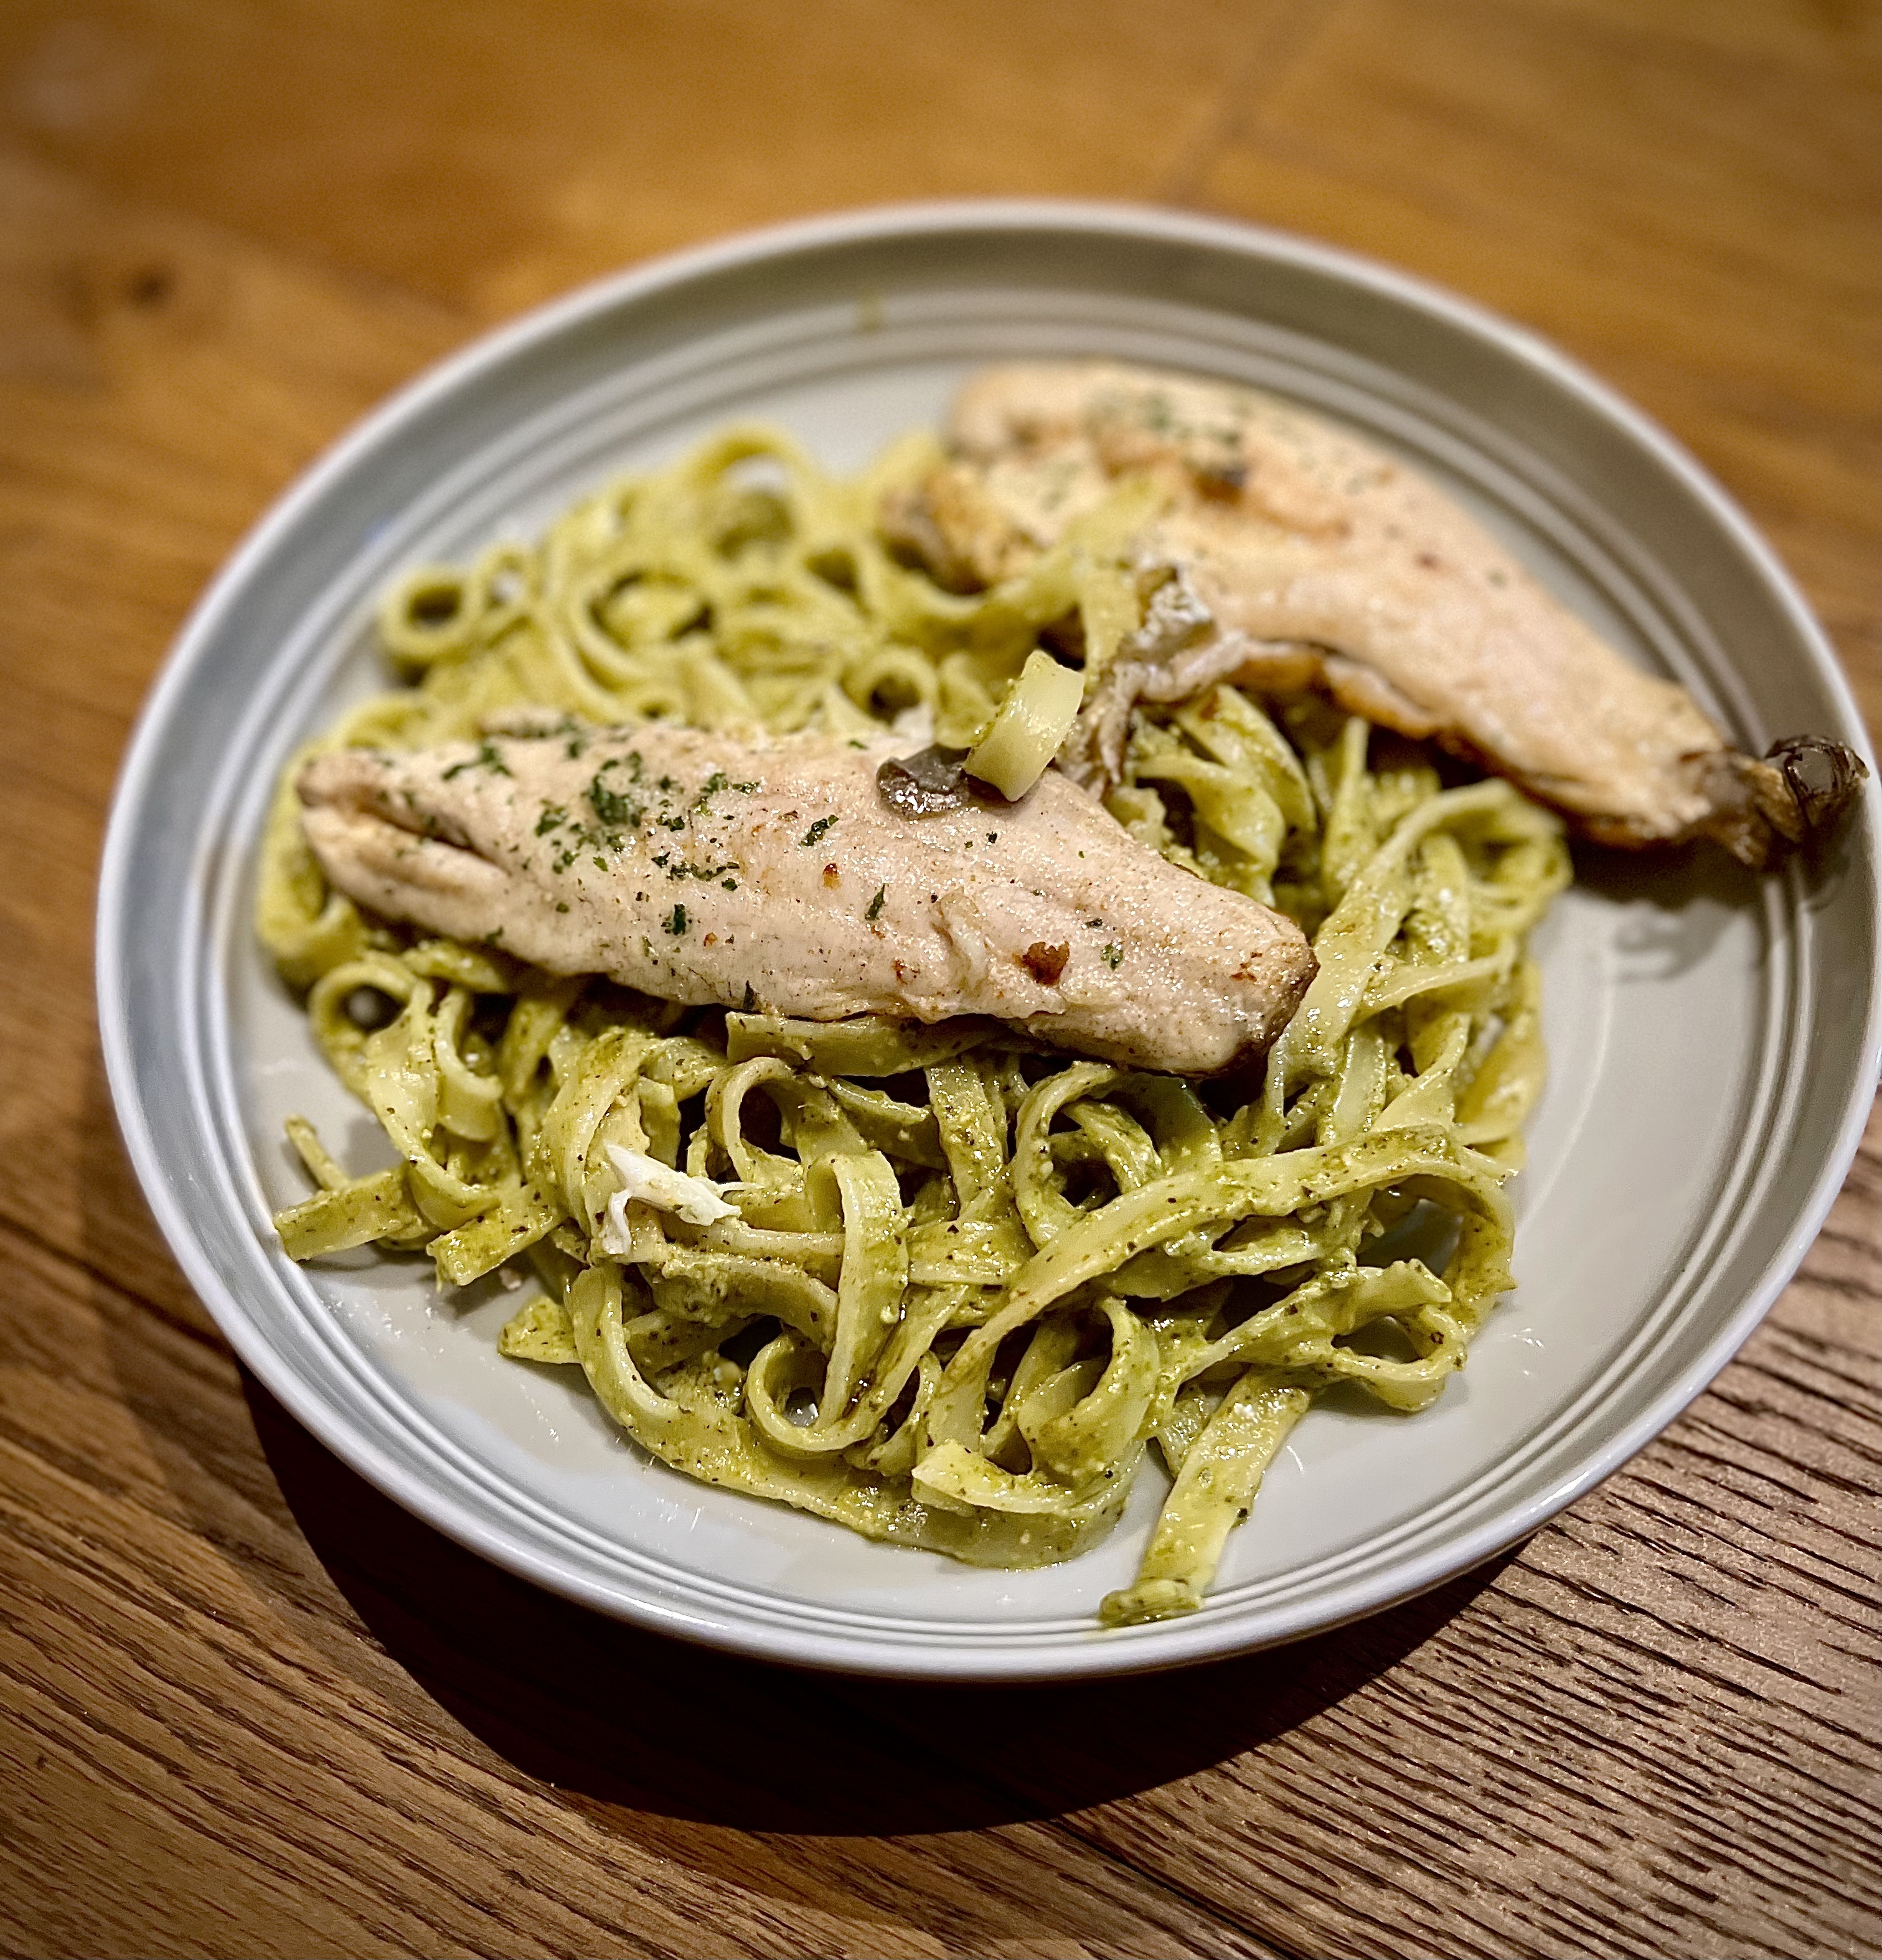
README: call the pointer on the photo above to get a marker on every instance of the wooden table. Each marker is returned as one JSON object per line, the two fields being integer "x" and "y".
{"x": 248, "y": 1706}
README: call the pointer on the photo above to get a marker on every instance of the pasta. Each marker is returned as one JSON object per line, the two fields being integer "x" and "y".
{"x": 940, "y": 1284}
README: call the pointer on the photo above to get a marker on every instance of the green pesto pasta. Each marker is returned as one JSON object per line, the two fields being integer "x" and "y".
{"x": 939, "y": 1283}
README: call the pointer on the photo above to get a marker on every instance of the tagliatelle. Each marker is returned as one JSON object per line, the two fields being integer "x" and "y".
{"x": 937, "y": 1283}
{"x": 1035, "y": 718}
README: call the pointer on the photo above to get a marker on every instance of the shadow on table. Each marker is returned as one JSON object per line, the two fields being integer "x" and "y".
{"x": 616, "y": 1716}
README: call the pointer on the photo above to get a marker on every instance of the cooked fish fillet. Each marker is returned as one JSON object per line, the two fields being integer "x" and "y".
{"x": 773, "y": 874}
{"x": 1292, "y": 553}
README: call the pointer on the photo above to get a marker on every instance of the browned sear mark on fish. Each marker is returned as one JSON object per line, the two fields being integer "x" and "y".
{"x": 1046, "y": 962}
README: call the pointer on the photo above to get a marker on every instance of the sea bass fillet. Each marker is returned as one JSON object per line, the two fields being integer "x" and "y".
{"x": 774, "y": 873}
{"x": 1287, "y": 552}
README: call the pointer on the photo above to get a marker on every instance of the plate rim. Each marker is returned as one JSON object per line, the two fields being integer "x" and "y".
{"x": 1163, "y": 1645}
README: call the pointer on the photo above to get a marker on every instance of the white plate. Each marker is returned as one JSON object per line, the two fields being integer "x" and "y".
{"x": 1713, "y": 1037}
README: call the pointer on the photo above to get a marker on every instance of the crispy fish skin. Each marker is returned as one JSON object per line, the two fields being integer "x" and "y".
{"x": 1293, "y": 554}
{"x": 771, "y": 872}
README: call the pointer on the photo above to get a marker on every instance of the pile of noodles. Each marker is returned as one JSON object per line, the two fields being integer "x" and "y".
{"x": 969, "y": 1281}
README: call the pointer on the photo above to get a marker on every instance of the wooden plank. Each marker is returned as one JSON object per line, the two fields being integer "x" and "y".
{"x": 454, "y": 151}
{"x": 162, "y": 382}
{"x": 231, "y": 1672}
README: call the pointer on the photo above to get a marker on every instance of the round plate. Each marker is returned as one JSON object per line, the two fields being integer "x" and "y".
{"x": 1713, "y": 1035}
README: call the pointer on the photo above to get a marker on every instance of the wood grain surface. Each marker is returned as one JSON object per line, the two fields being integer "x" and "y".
{"x": 248, "y": 1706}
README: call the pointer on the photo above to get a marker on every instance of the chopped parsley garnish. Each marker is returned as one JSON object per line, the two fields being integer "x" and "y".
{"x": 1113, "y": 956}
{"x": 730, "y": 884}
{"x": 611, "y": 807}
{"x": 705, "y": 873}
{"x": 817, "y": 829}
{"x": 554, "y": 814}
{"x": 676, "y": 924}
{"x": 486, "y": 758}
{"x": 875, "y": 910}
